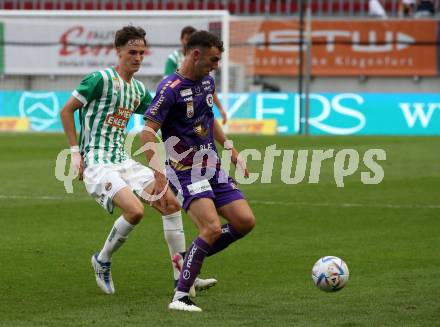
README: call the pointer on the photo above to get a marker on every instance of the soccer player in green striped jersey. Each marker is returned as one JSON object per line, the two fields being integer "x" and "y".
{"x": 175, "y": 60}
{"x": 106, "y": 99}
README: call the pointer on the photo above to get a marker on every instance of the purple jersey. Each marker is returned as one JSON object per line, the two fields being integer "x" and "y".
{"x": 183, "y": 108}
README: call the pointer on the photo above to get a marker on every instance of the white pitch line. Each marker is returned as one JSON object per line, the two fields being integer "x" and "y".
{"x": 41, "y": 197}
{"x": 262, "y": 202}
{"x": 349, "y": 205}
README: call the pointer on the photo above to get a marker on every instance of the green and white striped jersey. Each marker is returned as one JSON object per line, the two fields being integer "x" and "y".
{"x": 173, "y": 62}
{"x": 108, "y": 102}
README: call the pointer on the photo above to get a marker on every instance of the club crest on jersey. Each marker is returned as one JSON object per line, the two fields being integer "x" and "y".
{"x": 185, "y": 92}
{"x": 197, "y": 89}
{"x": 189, "y": 109}
{"x": 209, "y": 100}
{"x": 116, "y": 86}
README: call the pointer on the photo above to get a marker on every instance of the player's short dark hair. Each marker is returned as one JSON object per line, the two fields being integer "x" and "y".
{"x": 187, "y": 30}
{"x": 128, "y": 33}
{"x": 204, "y": 39}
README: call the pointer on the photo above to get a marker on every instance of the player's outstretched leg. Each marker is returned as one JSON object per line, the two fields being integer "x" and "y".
{"x": 133, "y": 212}
{"x": 190, "y": 269}
{"x": 175, "y": 238}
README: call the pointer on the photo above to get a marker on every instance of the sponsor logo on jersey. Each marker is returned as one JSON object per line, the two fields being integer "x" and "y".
{"x": 155, "y": 108}
{"x": 195, "y": 188}
{"x": 185, "y": 92}
{"x": 188, "y": 99}
{"x": 209, "y": 100}
{"x": 189, "y": 109}
{"x": 207, "y": 88}
{"x": 207, "y": 82}
{"x": 119, "y": 119}
{"x": 175, "y": 83}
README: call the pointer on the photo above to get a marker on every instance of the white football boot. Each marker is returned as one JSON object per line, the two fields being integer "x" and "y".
{"x": 184, "y": 304}
{"x": 103, "y": 275}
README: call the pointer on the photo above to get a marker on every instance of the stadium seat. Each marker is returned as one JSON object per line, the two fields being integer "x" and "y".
{"x": 232, "y": 7}
{"x": 170, "y": 5}
{"x": 27, "y": 5}
{"x": 109, "y": 6}
{"x": 148, "y": 6}
{"x": 190, "y": 6}
{"x": 90, "y": 6}
{"x": 294, "y": 8}
{"x": 67, "y": 6}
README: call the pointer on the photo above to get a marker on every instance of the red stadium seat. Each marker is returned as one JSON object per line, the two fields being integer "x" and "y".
{"x": 212, "y": 5}
{"x": 109, "y": 5}
{"x": 68, "y": 6}
{"x": 89, "y": 6}
{"x": 148, "y": 6}
{"x": 294, "y": 8}
{"x": 27, "y": 5}
{"x": 8, "y": 5}
{"x": 170, "y": 5}
{"x": 232, "y": 7}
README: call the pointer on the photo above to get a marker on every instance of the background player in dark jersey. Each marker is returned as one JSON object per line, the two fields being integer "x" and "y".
{"x": 175, "y": 60}
{"x": 182, "y": 109}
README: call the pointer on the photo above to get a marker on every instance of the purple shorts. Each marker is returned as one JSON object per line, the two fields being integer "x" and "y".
{"x": 221, "y": 188}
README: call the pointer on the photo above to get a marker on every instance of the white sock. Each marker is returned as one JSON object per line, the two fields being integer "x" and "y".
{"x": 174, "y": 236}
{"x": 115, "y": 239}
{"x": 179, "y": 295}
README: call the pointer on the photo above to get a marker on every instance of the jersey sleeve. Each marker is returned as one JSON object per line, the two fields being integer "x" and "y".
{"x": 170, "y": 66}
{"x": 145, "y": 103}
{"x": 159, "y": 108}
{"x": 90, "y": 88}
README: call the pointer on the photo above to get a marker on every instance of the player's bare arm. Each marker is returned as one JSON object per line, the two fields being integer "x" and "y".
{"x": 219, "y": 105}
{"x": 68, "y": 121}
{"x": 220, "y": 137}
{"x": 148, "y": 137}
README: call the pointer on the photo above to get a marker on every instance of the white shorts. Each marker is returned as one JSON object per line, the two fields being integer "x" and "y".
{"x": 103, "y": 181}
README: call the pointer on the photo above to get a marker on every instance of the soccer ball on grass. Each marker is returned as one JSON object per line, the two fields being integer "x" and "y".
{"x": 330, "y": 274}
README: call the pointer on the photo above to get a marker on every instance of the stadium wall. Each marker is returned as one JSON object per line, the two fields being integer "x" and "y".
{"x": 265, "y": 113}
{"x": 367, "y": 76}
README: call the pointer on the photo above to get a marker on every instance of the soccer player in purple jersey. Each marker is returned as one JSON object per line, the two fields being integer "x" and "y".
{"x": 182, "y": 109}
{"x": 106, "y": 100}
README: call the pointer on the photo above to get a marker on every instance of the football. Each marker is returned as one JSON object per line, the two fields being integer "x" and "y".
{"x": 330, "y": 274}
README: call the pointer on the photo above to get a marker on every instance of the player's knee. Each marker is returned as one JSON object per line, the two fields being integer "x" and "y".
{"x": 134, "y": 214}
{"x": 171, "y": 207}
{"x": 211, "y": 232}
{"x": 247, "y": 223}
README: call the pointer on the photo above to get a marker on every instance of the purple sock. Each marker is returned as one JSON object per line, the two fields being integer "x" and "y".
{"x": 192, "y": 264}
{"x": 229, "y": 235}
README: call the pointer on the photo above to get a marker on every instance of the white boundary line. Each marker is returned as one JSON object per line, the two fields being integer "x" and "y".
{"x": 349, "y": 205}
{"x": 258, "y": 202}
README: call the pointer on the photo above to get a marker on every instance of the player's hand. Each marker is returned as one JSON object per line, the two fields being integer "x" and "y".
{"x": 160, "y": 188}
{"x": 224, "y": 117}
{"x": 77, "y": 163}
{"x": 239, "y": 163}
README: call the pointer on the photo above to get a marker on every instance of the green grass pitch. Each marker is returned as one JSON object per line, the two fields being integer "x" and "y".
{"x": 389, "y": 235}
